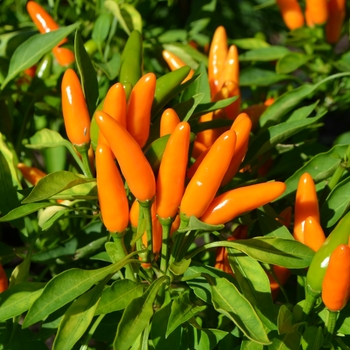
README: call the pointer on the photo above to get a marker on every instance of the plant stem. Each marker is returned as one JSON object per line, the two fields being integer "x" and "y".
{"x": 91, "y": 332}
{"x": 164, "y": 259}
{"x": 86, "y": 163}
{"x": 330, "y": 325}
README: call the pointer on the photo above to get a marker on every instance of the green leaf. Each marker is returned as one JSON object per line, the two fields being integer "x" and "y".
{"x": 101, "y": 28}
{"x": 270, "y": 227}
{"x": 49, "y": 216}
{"x": 291, "y": 62}
{"x": 290, "y": 99}
{"x": 274, "y": 135}
{"x": 270, "y": 53}
{"x": 87, "y": 74}
{"x": 261, "y": 77}
{"x": 18, "y": 299}
{"x": 228, "y": 301}
{"x": 112, "y": 67}
{"x": 302, "y": 112}
{"x": 87, "y": 191}
{"x": 136, "y": 316}
{"x": 287, "y": 341}
{"x": 46, "y": 138}
{"x": 250, "y": 43}
{"x": 185, "y": 109}
{"x": 312, "y": 338}
{"x": 132, "y": 17}
{"x": 114, "y": 8}
{"x": 65, "y": 287}
{"x": 336, "y": 204}
{"x": 254, "y": 284}
{"x": 190, "y": 56}
{"x": 30, "y": 52}
{"x": 117, "y": 296}
{"x": 25, "y": 210}
{"x": 248, "y": 344}
{"x": 205, "y": 108}
{"x": 78, "y": 318}
{"x": 320, "y": 167}
{"x": 54, "y": 183}
{"x": 195, "y": 224}
{"x": 285, "y": 320}
{"x": 182, "y": 310}
{"x": 207, "y": 338}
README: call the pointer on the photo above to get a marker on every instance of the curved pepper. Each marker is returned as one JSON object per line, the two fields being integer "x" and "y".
{"x": 204, "y": 184}
{"x": 75, "y": 113}
{"x": 231, "y": 204}
{"x": 111, "y": 192}
{"x": 336, "y": 16}
{"x": 31, "y": 174}
{"x": 174, "y": 62}
{"x": 316, "y": 12}
{"x": 291, "y": 13}
{"x": 314, "y": 236}
{"x": 3, "y": 280}
{"x": 168, "y": 122}
{"x": 133, "y": 163}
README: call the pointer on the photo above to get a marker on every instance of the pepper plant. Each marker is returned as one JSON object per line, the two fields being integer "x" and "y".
{"x": 173, "y": 188}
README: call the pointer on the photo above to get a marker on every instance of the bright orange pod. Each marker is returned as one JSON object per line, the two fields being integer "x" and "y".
{"x": 64, "y": 56}
{"x": 112, "y": 198}
{"x": 242, "y": 129}
{"x": 172, "y": 172}
{"x": 233, "y": 109}
{"x": 4, "y": 284}
{"x": 291, "y": 13}
{"x": 217, "y": 57}
{"x": 114, "y": 105}
{"x": 75, "y": 113}
{"x": 317, "y": 11}
{"x": 168, "y": 122}
{"x": 306, "y": 204}
{"x": 138, "y": 116}
{"x": 204, "y": 184}
{"x": 231, "y": 67}
{"x": 174, "y": 62}
{"x": 233, "y": 203}
{"x": 336, "y": 16}
{"x": 31, "y": 174}
{"x": 336, "y": 282}
{"x": 198, "y": 149}
{"x": 134, "y": 165}
{"x": 313, "y": 234}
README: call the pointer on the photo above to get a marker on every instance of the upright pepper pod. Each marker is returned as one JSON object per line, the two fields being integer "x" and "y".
{"x": 204, "y": 184}
{"x": 168, "y": 122}
{"x": 336, "y": 16}
{"x": 75, "y": 113}
{"x": 306, "y": 204}
{"x": 3, "y": 280}
{"x": 133, "y": 163}
{"x": 231, "y": 66}
{"x": 31, "y": 174}
{"x": 233, "y": 203}
{"x": 217, "y": 59}
{"x": 174, "y": 62}
{"x": 291, "y": 13}
{"x": 45, "y": 23}
{"x": 111, "y": 192}
{"x": 314, "y": 236}
{"x": 138, "y": 117}
{"x": 336, "y": 282}
{"x": 317, "y": 11}
{"x": 172, "y": 171}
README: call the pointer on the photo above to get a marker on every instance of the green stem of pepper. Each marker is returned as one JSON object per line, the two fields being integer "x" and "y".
{"x": 166, "y": 226}
{"x": 83, "y": 150}
{"x": 92, "y": 330}
{"x": 310, "y": 300}
{"x": 330, "y": 326}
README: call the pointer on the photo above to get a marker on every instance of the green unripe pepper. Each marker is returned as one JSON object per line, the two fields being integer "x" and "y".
{"x": 339, "y": 235}
{"x": 43, "y": 70}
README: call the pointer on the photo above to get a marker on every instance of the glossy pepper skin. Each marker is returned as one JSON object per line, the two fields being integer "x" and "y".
{"x": 31, "y": 174}
{"x": 75, "y": 113}
{"x": 205, "y": 182}
{"x": 172, "y": 171}
{"x": 314, "y": 236}
{"x": 3, "y": 280}
{"x": 306, "y": 204}
{"x": 336, "y": 16}
{"x": 336, "y": 282}
{"x": 168, "y": 122}
{"x": 138, "y": 117}
{"x": 317, "y": 269}
{"x": 175, "y": 62}
{"x": 111, "y": 192}
{"x": 45, "y": 23}
{"x": 231, "y": 204}
{"x": 317, "y": 11}
{"x": 291, "y": 13}
{"x": 134, "y": 166}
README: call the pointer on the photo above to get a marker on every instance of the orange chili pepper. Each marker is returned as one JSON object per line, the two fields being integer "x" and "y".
{"x": 133, "y": 163}
{"x": 254, "y": 112}
{"x": 30, "y": 71}
{"x": 174, "y": 62}
{"x": 4, "y": 284}
{"x": 134, "y": 214}
{"x": 204, "y": 184}
{"x": 172, "y": 171}
{"x": 282, "y": 275}
{"x": 198, "y": 149}
{"x": 193, "y": 168}
{"x": 31, "y": 174}
{"x": 313, "y": 234}
{"x": 75, "y": 113}
{"x": 217, "y": 58}
{"x": 111, "y": 192}
{"x": 45, "y": 23}
{"x": 291, "y": 13}
{"x": 231, "y": 66}
{"x": 285, "y": 216}
{"x": 138, "y": 117}
{"x": 336, "y": 282}
{"x": 241, "y": 127}
{"x": 306, "y": 204}
{"x": 336, "y": 16}
{"x": 114, "y": 105}
{"x": 168, "y": 122}
{"x": 233, "y": 203}
{"x": 317, "y": 11}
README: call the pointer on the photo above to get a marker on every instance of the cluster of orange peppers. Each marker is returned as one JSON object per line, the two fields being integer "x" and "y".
{"x": 317, "y": 12}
